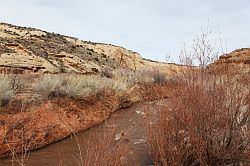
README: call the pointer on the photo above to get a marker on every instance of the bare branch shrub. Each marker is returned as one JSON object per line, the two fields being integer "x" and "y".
{"x": 202, "y": 53}
{"x": 17, "y": 82}
{"x": 104, "y": 150}
{"x": 207, "y": 119}
{"x": 205, "y": 124}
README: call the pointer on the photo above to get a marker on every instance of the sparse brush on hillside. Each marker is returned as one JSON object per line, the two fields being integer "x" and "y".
{"x": 144, "y": 77}
{"x": 6, "y": 90}
{"x": 207, "y": 119}
{"x": 48, "y": 86}
{"x": 159, "y": 77}
{"x": 82, "y": 86}
{"x": 107, "y": 72}
{"x": 76, "y": 86}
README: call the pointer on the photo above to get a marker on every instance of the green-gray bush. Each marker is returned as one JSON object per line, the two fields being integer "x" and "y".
{"x": 6, "y": 90}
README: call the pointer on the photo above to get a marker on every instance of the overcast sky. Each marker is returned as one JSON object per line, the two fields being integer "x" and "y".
{"x": 152, "y": 28}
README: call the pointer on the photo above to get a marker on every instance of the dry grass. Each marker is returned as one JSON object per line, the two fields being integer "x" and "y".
{"x": 48, "y": 86}
{"x": 76, "y": 86}
{"x": 144, "y": 77}
{"x": 6, "y": 90}
{"x": 159, "y": 77}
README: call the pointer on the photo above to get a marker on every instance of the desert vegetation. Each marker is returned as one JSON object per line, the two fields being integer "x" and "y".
{"x": 76, "y": 86}
{"x": 48, "y": 86}
{"x": 6, "y": 90}
{"x": 51, "y": 107}
{"x": 98, "y": 149}
{"x": 207, "y": 118}
{"x": 206, "y": 123}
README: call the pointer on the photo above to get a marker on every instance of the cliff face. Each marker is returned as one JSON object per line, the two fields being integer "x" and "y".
{"x": 25, "y": 50}
{"x": 235, "y": 62}
{"x": 239, "y": 56}
{"x": 126, "y": 58}
{"x": 32, "y": 50}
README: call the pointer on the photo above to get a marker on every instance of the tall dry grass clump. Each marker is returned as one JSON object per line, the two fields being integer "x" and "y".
{"x": 6, "y": 90}
{"x": 159, "y": 77}
{"x": 77, "y": 86}
{"x": 143, "y": 76}
{"x": 207, "y": 119}
{"x": 48, "y": 86}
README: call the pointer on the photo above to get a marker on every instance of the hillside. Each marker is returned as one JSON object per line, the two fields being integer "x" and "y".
{"x": 237, "y": 61}
{"x": 238, "y": 56}
{"x": 24, "y": 50}
{"x": 37, "y": 110}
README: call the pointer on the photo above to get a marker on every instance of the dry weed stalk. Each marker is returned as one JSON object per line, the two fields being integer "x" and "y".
{"x": 104, "y": 150}
{"x": 18, "y": 158}
{"x": 100, "y": 148}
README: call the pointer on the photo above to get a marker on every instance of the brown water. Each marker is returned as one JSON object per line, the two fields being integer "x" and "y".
{"x": 126, "y": 123}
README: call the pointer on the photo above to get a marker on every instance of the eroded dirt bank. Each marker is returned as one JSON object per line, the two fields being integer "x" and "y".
{"x": 61, "y": 117}
{"x": 130, "y": 122}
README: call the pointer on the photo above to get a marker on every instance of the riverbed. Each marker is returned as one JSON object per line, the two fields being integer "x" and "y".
{"x": 127, "y": 125}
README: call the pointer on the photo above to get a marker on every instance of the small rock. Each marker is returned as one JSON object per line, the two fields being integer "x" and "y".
{"x": 119, "y": 136}
{"x": 140, "y": 112}
{"x": 139, "y": 141}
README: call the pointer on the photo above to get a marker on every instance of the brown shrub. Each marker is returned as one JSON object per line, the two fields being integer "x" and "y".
{"x": 159, "y": 77}
{"x": 206, "y": 123}
{"x": 207, "y": 119}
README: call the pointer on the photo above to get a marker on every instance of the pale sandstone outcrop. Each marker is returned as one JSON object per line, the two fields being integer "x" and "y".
{"x": 34, "y": 50}
{"x": 238, "y": 56}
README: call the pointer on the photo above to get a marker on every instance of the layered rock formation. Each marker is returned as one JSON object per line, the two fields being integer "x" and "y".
{"x": 240, "y": 56}
{"x": 25, "y": 50}
{"x": 235, "y": 62}
{"x": 32, "y": 50}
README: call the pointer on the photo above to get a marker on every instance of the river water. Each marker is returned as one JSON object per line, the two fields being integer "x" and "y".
{"x": 127, "y": 125}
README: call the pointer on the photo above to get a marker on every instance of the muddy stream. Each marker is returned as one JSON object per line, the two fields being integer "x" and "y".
{"x": 124, "y": 125}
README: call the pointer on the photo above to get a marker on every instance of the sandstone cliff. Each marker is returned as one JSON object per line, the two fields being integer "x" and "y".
{"x": 25, "y": 50}
{"x": 240, "y": 56}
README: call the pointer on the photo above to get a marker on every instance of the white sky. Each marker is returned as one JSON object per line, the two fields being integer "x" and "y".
{"x": 153, "y": 28}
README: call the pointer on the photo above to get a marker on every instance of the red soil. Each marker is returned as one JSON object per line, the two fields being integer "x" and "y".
{"x": 61, "y": 117}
